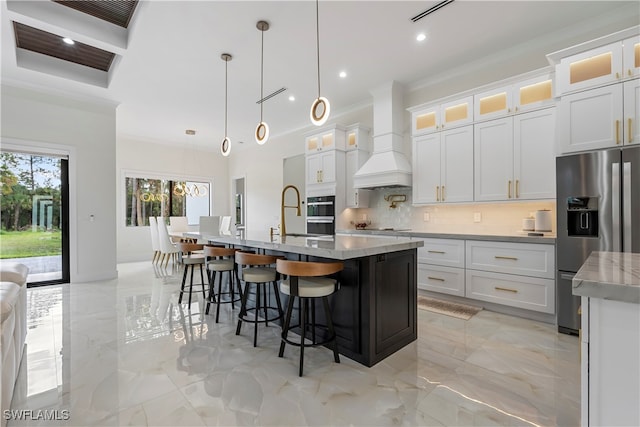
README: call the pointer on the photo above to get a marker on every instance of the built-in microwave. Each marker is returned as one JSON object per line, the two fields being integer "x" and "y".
{"x": 321, "y": 215}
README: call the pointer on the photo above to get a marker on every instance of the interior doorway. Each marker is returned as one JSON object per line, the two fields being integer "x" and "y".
{"x": 34, "y": 214}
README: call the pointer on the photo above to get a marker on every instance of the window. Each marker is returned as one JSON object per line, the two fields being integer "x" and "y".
{"x": 164, "y": 197}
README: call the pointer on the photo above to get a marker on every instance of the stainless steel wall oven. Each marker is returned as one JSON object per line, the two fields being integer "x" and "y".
{"x": 321, "y": 215}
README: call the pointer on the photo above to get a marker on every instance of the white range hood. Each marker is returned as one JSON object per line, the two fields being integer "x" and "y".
{"x": 388, "y": 166}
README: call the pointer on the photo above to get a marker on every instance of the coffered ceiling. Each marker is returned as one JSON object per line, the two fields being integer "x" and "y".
{"x": 167, "y": 75}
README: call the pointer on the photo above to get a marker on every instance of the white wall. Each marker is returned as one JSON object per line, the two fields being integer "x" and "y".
{"x": 156, "y": 159}
{"x": 86, "y": 131}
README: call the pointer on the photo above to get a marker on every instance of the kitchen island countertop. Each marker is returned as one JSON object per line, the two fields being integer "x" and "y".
{"x": 338, "y": 247}
{"x": 609, "y": 275}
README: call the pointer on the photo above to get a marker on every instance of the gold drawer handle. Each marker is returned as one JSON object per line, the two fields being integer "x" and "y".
{"x": 436, "y": 278}
{"x": 509, "y": 189}
{"x": 506, "y": 257}
{"x": 437, "y": 193}
{"x": 497, "y": 288}
{"x": 436, "y": 252}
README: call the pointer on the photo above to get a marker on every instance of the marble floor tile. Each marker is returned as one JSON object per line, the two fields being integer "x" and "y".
{"x": 125, "y": 353}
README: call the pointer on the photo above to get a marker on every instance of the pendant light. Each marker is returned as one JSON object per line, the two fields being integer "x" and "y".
{"x": 225, "y": 147}
{"x": 320, "y": 109}
{"x": 262, "y": 130}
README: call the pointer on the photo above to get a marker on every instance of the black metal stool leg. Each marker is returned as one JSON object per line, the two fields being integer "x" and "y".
{"x": 184, "y": 281}
{"x": 219, "y": 298}
{"x": 285, "y": 327}
{"x": 266, "y": 303}
{"x": 190, "y": 285}
{"x": 243, "y": 308}
{"x": 204, "y": 297}
{"x": 257, "y": 309}
{"x": 332, "y": 332}
{"x": 278, "y": 303}
{"x": 303, "y": 320}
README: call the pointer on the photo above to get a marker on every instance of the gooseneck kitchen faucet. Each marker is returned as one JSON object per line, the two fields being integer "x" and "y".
{"x": 283, "y": 227}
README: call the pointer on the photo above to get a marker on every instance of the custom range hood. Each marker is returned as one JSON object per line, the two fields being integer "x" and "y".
{"x": 388, "y": 167}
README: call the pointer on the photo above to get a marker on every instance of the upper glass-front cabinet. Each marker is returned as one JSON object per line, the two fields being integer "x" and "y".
{"x": 533, "y": 93}
{"x": 493, "y": 103}
{"x": 327, "y": 139}
{"x": 442, "y": 116}
{"x": 591, "y": 68}
{"x": 631, "y": 57}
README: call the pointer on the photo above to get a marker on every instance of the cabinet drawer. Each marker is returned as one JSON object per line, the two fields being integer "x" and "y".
{"x": 446, "y": 280}
{"x": 528, "y": 259}
{"x": 530, "y": 293}
{"x": 447, "y": 252}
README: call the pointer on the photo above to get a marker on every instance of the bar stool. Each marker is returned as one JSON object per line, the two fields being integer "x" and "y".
{"x": 304, "y": 280}
{"x": 255, "y": 270}
{"x": 190, "y": 260}
{"x": 220, "y": 260}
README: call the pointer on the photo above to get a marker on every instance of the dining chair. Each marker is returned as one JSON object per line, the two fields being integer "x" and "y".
{"x": 167, "y": 248}
{"x": 177, "y": 226}
{"x": 225, "y": 225}
{"x": 155, "y": 244}
{"x": 210, "y": 225}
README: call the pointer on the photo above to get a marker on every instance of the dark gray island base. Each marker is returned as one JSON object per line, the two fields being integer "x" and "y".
{"x": 375, "y": 310}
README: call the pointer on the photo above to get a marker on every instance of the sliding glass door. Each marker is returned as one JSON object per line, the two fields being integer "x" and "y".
{"x": 34, "y": 215}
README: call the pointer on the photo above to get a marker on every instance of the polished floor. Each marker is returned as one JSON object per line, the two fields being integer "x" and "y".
{"x": 124, "y": 352}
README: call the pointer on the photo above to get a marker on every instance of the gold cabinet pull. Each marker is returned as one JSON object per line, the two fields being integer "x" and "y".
{"x": 617, "y": 132}
{"x": 509, "y": 189}
{"x": 617, "y": 75}
{"x": 443, "y": 193}
{"x": 437, "y": 193}
{"x": 436, "y": 252}
{"x": 435, "y": 278}
{"x": 630, "y": 134}
{"x": 498, "y": 288}
{"x": 517, "y": 188}
{"x": 512, "y": 258}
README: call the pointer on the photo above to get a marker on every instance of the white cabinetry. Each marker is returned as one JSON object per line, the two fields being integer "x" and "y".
{"x": 441, "y": 266}
{"x": 325, "y": 164}
{"x": 443, "y": 166}
{"x": 514, "y": 157}
{"x": 515, "y": 274}
{"x": 600, "y": 97}
{"x": 355, "y": 197}
{"x": 524, "y": 95}
{"x": 446, "y": 115}
{"x": 610, "y": 343}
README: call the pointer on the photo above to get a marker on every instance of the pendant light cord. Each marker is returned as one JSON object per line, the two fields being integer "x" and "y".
{"x": 261, "y": 72}
{"x": 318, "y": 44}
{"x": 226, "y": 65}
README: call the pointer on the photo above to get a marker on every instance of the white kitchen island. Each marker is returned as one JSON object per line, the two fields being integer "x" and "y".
{"x": 609, "y": 284}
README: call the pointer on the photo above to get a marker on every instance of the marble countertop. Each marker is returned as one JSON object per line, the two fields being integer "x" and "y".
{"x": 518, "y": 237}
{"x": 334, "y": 247}
{"x": 609, "y": 275}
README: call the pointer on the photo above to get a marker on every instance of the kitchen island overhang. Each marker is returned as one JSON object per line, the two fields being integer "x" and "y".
{"x": 375, "y": 309}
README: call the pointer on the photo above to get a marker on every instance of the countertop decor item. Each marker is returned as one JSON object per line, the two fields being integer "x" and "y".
{"x": 543, "y": 220}
{"x": 529, "y": 224}
{"x": 225, "y": 147}
{"x": 262, "y": 130}
{"x": 320, "y": 109}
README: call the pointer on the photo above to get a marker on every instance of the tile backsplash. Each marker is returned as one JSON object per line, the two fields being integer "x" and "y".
{"x": 472, "y": 218}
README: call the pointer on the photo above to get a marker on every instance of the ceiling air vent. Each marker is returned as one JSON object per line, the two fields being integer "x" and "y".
{"x": 432, "y": 9}
{"x": 271, "y": 95}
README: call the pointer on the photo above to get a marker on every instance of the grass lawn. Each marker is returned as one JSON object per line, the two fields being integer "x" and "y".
{"x": 23, "y": 244}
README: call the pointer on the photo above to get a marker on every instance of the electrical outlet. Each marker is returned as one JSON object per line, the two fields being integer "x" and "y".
{"x": 477, "y": 217}
{"x": 426, "y": 216}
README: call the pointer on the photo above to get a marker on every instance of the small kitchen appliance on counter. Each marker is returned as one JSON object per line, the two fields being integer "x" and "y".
{"x": 543, "y": 220}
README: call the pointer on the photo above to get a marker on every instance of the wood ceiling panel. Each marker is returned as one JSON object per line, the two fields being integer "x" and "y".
{"x": 118, "y": 12}
{"x": 39, "y": 41}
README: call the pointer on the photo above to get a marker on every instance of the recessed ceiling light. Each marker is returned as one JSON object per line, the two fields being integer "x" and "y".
{"x": 343, "y": 74}
{"x": 67, "y": 40}
{"x": 292, "y": 98}
{"x": 421, "y": 37}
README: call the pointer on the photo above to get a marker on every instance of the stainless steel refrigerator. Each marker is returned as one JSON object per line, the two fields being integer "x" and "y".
{"x": 598, "y": 209}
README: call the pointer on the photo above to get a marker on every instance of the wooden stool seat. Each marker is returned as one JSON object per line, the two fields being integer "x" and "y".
{"x": 307, "y": 281}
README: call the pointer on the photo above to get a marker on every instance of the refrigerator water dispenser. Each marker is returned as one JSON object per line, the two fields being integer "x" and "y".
{"x": 582, "y": 216}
